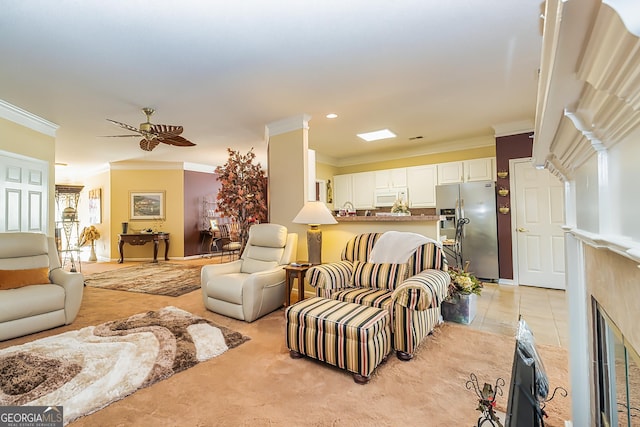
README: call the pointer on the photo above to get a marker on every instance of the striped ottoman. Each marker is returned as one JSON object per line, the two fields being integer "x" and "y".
{"x": 347, "y": 335}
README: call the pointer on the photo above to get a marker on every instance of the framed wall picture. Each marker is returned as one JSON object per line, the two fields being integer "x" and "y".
{"x": 95, "y": 206}
{"x": 146, "y": 205}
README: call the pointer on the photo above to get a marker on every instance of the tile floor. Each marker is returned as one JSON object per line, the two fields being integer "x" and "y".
{"x": 544, "y": 310}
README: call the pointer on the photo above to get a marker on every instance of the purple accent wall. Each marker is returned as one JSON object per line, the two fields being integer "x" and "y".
{"x": 196, "y": 186}
{"x": 508, "y": 147}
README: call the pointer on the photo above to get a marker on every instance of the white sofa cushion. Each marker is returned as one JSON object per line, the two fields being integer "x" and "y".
{"x": 30, "y": 301}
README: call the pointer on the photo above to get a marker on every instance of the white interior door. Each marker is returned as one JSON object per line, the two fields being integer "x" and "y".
{"x": 23, "y": 194}
{"x": 539, "y": 216}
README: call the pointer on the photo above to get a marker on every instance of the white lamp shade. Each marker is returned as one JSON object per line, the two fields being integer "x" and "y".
{"x": 314, "y": 213}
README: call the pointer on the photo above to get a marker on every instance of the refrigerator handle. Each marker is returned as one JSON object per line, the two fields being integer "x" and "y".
{"x": 461, "y": 208}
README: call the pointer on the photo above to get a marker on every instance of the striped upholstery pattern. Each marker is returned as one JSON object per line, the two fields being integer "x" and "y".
{"x": 413, "y": 304}
{"x": 410, "y": 327}
{"x": 359, "y": 247}
{"x": 428, "y": 256}
{"x": 379, "y": 298}
{"x": 327, "y": 277}
{"x": 350, "y": 336}
{"x": 378, "y": 276}
{"x": 424, "y": 290}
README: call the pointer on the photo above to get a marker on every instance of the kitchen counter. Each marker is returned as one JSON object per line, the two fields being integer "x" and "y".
{"x": 389, "y": 218}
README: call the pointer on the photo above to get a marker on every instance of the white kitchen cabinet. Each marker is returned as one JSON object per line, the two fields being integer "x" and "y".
{"x": 363, "y": 190}
{"x": 421, "y": 182}
{"x": 450, "y": 173}
{"x": 342, "y": 190}
{"x": 391, "y": 178}
{"x": 467, "y": 171}
{"x": 479, "y": 169}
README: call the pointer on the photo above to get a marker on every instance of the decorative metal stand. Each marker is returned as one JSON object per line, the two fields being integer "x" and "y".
{"x": 563, "y": 392}
{"x": 486, "y": 400}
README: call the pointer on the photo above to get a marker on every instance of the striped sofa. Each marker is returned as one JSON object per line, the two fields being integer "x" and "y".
{"x": 411, "y": 292}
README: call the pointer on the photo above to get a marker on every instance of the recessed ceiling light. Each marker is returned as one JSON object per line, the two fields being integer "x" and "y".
{"x": 331, "y": 116}
{"x": 376, "y": 135}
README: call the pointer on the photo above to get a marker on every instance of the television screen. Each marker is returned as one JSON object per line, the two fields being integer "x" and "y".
{"x": 529, "y": 384}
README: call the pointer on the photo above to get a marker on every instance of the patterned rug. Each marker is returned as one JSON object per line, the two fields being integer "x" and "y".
{"x": 162, "y": 278}
{"x": 86, "y": 370}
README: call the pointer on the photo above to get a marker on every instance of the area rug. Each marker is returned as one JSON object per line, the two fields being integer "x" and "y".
{"x": 86, "y": 370}
{"x": 162, "y": 278}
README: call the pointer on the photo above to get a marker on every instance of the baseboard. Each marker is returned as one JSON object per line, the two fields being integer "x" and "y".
{"x": 506, "y": 282}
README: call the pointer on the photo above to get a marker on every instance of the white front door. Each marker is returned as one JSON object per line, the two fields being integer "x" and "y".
{"x": 538, "y": 220}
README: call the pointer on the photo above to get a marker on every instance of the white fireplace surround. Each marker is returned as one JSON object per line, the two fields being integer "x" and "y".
{"x": 587, "y": 133}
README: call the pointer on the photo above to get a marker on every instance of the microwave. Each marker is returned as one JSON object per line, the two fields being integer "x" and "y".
{"x": 387, "y": 197}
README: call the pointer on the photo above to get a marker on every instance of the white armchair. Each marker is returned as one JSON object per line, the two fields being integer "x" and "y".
{"x": 35, "y": 293}
{"x": 252, "y": 286}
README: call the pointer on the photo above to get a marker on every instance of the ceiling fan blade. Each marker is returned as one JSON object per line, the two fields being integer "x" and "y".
{"x": 125, "y": 126}
{"x": 177, "y": 141}
{"x": 162, "y": 130}
{"x": 148, "y": 145}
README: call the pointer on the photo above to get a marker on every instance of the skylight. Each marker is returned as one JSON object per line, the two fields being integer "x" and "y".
{"x": 376, "y": 135}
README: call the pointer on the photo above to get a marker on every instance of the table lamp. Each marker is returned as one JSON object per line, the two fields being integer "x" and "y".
{"x": 314, "y": 213}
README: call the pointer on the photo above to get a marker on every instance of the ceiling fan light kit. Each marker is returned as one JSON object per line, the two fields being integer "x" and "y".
{"x": 153, "y": 134}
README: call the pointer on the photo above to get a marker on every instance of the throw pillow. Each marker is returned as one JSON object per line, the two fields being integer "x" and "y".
{"x": 378, "y": 276}
{"x": 12, "y": 279}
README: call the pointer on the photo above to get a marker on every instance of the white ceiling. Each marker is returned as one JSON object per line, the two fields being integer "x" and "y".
{"x": 443, "y": 70}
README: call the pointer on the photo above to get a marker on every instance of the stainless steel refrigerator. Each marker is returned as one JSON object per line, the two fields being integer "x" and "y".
{"x": 476, "y": 201}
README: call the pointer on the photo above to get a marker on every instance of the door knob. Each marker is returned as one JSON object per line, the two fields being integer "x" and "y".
{"x": 522, "y": 230}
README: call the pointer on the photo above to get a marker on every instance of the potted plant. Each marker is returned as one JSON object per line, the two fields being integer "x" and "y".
{"x": 400, "y": 208}
{"x": 242, "y": 193}
{"x": 461, "y": 305}
{"x": 90, "y": 235}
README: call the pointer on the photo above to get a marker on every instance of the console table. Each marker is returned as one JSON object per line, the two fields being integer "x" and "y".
{"x": 142, "y": 239}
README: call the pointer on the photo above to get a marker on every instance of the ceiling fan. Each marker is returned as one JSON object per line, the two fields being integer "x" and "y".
{"x": 154, "y": 134}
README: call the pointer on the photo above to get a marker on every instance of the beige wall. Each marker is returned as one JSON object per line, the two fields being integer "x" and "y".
{"x": 171, "y": 181}
{"x": 17, "y": 139}
{"x": 451, "y": 156}
{"x": 325, "y": 171}
{"x": 287, "y": 182}
{"x": 334, "y": 237}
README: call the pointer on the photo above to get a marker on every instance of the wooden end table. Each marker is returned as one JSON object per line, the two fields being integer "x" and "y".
{"x": 295, "y": 272}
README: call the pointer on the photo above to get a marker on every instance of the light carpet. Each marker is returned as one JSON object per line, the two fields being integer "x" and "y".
{"x": 264, "y": 387}
{"x": 87, "y": 369}
{"x": 162, "y": 278}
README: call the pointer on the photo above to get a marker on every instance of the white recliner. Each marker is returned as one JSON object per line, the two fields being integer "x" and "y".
{"x": 252, "y": 286}
{"x": 35, "y": 293}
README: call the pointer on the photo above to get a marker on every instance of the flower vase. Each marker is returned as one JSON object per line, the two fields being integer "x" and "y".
{"x": 460, "y": 308}
{"x": 92, "y": 255}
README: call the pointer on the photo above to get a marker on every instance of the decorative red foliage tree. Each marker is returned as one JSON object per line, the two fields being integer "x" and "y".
{"x": 242, "y": 194}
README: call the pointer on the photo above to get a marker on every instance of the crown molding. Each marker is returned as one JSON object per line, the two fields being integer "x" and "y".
{"x": 146, "y": 165}
{"x": 198, "y": 167}
{"x": 24, "y": 118}
{"x": 513, "y": 128}
{"x": 289, "y": 124}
